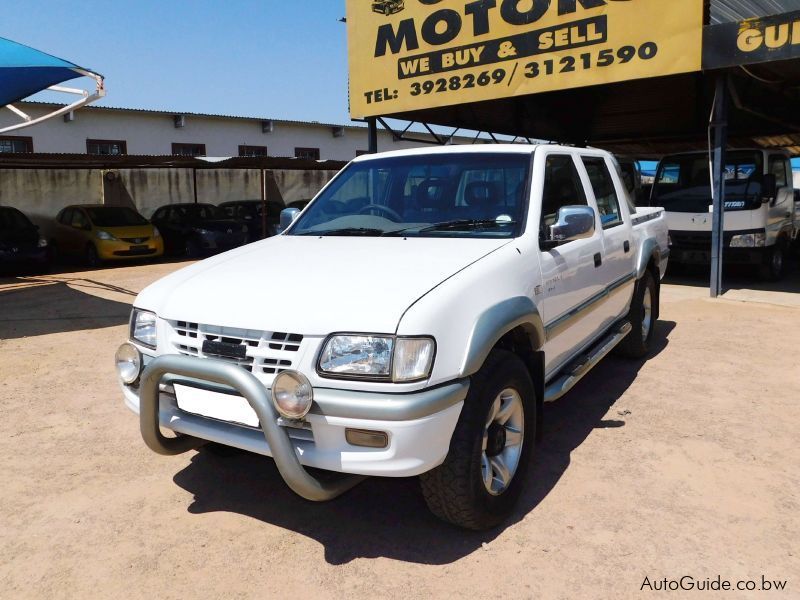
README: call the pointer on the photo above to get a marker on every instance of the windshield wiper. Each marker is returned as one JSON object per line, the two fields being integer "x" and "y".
{"x": 466, "y": 224}
{"x": 456, "y": 224}
{"x": 354, "y": 231}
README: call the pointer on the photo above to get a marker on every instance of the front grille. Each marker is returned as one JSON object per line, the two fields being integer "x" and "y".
{"x": 695, "y": 240}
{"x": 139, "y": 240}
{"x": 266, "y": 352}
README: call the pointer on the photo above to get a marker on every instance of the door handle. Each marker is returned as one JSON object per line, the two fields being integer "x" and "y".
{"x": 598, "y": 260}
{"x": 626, "y": 246}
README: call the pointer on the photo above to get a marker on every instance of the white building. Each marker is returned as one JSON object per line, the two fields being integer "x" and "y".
{"x": 104, "y": 130}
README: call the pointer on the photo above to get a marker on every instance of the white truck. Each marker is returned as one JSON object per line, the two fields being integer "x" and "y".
{"x": 410, "y": 321}
{"x": 760, "y": 221}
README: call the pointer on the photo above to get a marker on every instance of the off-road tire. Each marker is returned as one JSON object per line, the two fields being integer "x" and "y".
{"x": 454, "y": 491}
{"x": 635, "y": 344}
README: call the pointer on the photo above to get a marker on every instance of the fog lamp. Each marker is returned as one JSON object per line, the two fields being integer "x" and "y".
{"x": 366, "y": 438}
{"x": 292, "y": 394}
{"x": 129, "y": 363}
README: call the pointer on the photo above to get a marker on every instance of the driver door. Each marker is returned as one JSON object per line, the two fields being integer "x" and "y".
{"x": 572, "y": 287}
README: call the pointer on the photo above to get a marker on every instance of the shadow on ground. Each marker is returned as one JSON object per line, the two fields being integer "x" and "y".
{"x": 736, "y": 277}
{"x": 388, "y": 517}
{"x": 33, "y": 305}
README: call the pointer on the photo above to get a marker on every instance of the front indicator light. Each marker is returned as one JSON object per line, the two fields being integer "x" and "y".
{"x": 413, "y": 358}
{"x": 366, "y": 438}
{"x": 292, "y": 394}
{"x": 129, "y": 363}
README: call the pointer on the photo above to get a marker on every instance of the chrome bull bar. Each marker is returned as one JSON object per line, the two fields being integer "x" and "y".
{"x": 294, "y": 474}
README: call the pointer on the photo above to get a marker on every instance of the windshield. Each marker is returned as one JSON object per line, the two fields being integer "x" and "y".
{"x": 683, "y": 182}
{"x": 115, "y": 216}
{"x": 199, "y": 212}
{"x": 442, "y": 195}
{"x": 13, "y": 220}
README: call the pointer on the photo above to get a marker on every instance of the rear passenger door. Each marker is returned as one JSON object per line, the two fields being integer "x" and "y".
{"x": 571, "y": 276}
{"x": 618, "y": 255}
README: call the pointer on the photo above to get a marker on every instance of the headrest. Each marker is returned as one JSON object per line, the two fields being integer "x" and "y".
{"x": 430, "y": 193}
{"x": 481, "y": 193}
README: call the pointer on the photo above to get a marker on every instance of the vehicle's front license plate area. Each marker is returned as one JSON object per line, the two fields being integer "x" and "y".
{"x": 216, "y": 405}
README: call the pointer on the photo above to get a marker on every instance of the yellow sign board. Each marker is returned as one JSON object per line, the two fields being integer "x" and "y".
{"x": 415, "y": 54}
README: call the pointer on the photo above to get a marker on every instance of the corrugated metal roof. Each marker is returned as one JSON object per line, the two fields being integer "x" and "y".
{"x": 195, "y": 114}
{"x": 726, "y": 11}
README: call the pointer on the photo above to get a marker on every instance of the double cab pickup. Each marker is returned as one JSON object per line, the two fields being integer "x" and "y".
{"x": 410, "y": 321}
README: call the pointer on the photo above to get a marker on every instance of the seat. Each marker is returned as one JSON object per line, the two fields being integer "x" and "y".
{"x": 483, "y": 199}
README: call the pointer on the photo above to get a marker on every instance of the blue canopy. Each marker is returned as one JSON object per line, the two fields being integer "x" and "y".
{"x": 25, "y": 71}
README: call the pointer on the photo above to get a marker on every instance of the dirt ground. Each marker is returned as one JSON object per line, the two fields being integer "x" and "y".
{"x": 684, "y": 465}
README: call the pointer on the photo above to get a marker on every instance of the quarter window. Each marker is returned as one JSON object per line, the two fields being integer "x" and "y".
{"x": 604, "y": 192}
{"x": 562, "y": 187}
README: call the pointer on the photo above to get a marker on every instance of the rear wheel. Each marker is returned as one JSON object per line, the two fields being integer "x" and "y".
{"x": 641, "y": 317}
{"x": 479, "y": 482}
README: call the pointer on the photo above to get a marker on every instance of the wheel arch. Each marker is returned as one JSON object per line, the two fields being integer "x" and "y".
{"x": 514, "y": 325}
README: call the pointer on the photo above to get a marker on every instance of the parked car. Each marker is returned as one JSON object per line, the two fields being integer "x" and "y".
{"x": 411, "y": 321}
{"x": 196, "y": 229}
{"x": 21, "y": 246}
{"x": 98, "y": 232}
{"x": 250, "y": 211}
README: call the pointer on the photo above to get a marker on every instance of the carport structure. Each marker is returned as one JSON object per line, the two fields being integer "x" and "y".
{"x": 24, "y": 71}
{"x": 727, "y": 73}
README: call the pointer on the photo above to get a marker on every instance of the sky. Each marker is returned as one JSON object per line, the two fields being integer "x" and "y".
{"x": 282, "y": 59}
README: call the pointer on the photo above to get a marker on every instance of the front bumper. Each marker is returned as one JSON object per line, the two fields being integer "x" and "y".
{"x": 419, "y": 425}
{"x": 120, "y": 250}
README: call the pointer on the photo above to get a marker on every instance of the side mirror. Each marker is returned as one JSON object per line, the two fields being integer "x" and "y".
{"x": 769, "y": 186}
{"x": 574, "y": 223}
{"x": 288, "y": 215}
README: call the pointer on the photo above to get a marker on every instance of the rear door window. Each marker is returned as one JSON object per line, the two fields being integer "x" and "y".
{"x": 604, "y": 192}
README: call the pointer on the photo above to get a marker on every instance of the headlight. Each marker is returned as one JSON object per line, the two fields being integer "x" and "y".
{"x": 156, "y": 232}
{"x": 748, "y": 240}
{"x": 42, "y": 243}
{"x": 377, "y": 357}
{"x": 143, "y": 327}
{"x": 104, "y": 235}
{"x": 292, "y": 394}
{"x": 413, "y": 358}
{"x": 129, "y": 363}
{"x": 357, "y": 356}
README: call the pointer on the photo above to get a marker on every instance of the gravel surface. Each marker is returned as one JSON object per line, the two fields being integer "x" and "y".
{"x": 684, "y": 465}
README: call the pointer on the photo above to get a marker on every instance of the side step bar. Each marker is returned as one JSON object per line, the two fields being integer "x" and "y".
{"x": 575, "y": 372}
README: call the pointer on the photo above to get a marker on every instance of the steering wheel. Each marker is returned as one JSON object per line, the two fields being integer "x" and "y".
{"x": 381, "y": 208}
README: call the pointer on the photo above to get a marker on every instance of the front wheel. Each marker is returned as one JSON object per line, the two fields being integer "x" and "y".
{"x": 92, "y": 258}
{"x": 642, "y": 318}
{"x": 479, "y": 482}
{"x": 774, "y": 266}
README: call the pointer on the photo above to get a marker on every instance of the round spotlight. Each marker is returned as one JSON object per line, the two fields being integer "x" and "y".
{"x": 292, "y": 394}
{"x": 129, "y": 363}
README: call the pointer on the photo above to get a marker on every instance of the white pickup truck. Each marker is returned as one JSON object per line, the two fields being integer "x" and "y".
{"x": 410, "y": 321}
{"x": 760, "y": 219}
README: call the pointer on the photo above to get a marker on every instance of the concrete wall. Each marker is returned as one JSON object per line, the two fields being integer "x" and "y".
{"x": 154, "y": 133}
{"x": 41, "y": 193}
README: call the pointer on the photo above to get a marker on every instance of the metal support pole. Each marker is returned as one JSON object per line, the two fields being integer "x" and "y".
{"x": 372, "y": 124}
{"x": 719, "y": 126}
